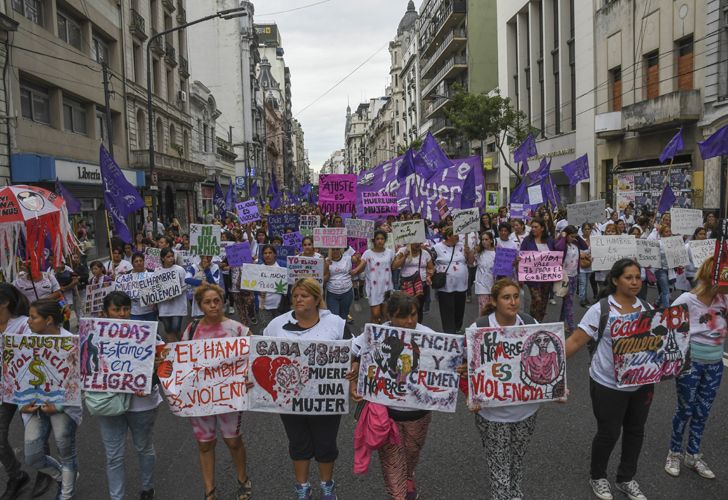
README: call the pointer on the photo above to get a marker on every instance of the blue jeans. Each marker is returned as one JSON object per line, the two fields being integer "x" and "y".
{"x": 37, "y": 431}
{"x": 340, "y": 303}
{"x": 583, "y": 283}
{"x": 395, "y": 278}
{"x": 172, "y": 324}
{"x": 663, "y": 285}
{"x": 113, "y": 434}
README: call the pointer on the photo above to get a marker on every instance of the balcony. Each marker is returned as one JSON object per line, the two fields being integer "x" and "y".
{"x": 169, "y": 167}
{"x": 168, "y": 5}
{"x": 450, "y": 15}
{"x": 437, "y": 104}
{"x": 137, "y": 26}
{"x": 453, "y": 42}
{"x": 667, "y": 110}
{"x": 441, "y": 125}
{"x": 452, "y": 67}
{"x": 157, "y": 45}
{"x": 170, "y": 55}
{"x": 184, "y": 67}
{"x": 608, "y": 125}
{"x": 181, "y": 16}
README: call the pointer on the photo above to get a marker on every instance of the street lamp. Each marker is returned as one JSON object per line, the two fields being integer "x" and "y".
{"x": 223, "y": 14}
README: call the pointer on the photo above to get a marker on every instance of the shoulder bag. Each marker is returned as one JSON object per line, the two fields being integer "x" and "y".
{"x": 412, "y": 285}
{"x": 439, "y": 280}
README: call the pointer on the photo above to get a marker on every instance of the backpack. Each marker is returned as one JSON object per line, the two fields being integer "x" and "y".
{"x": 484, "y": 321}
{"x": 603, "y": 318}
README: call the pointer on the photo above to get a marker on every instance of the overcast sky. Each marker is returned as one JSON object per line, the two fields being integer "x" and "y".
{"x": 322, "y": 44}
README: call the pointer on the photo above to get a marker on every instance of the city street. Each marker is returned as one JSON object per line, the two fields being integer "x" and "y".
{"x": 452, "y": 465}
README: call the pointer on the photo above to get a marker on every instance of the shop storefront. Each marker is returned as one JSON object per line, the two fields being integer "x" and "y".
{"x": 643, "y": 186}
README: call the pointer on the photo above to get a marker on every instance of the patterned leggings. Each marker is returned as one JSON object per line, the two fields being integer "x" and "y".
{"x": 567, "y": 306}
{"x": 505, "y": 445}
{"x": 539, "y": 299}
{"x": 243, "y": 303}
{"x": 696, "y": 390}
{"x": 399, "y": 461}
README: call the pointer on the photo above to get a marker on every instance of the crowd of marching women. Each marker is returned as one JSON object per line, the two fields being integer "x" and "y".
{"x": 192, "y": 282}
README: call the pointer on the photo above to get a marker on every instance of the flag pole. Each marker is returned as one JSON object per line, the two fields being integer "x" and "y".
{"x": 108, "y": 234}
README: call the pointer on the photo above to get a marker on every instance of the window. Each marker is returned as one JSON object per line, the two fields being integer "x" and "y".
{"x": 170, "y": 86}
{"x": 652, "y": 75}
{"x": 138, "y": 61}
{"x": 30, "y": 9}
{"x": 35, "y": 103}
{"x": 74, "y": 116}
{"x": 156, "y": 78}
{"x": 723, "y": 50}
{"x": 685, "y": 64}
{"x": 69, "y": 30}
{"x": 99, "y": 50}
{"x": 615, "y": 78}
{"x": 102, "y": 128}
{"x": 204, "y": 137}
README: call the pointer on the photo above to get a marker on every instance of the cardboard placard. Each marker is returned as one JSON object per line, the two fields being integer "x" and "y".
{"x": 93, "y": 304}
{"x": 329, "y": 237}
{"x": 239, "y": 254}
{"x": 307, "y": 223}
{"x": 262, "y": 278}
{"x": 152, "y": 258}
{"x": 378, "y": 205}
{"x": 279, "y": 223}
{"x": 606, "y": 250}
{"x": 408, "y": 231}
{"x": 540, "y": 266}
{"x": 337, "y": 193}
{"x": 247, "y": 211}
{"x": 294, "y": 239}
{"x": 359, "y": 228}
{"x": 648, "y": 253}
{"x": 159, "y": 286}
{"x": 588, "y": 211}
{"x": 701, "y": 250}
{"x": 205, "y": 239}
{"x": 305, "y": 267}
{"x": 675, "y": 251}
{"x": 535, "y": 195}
{"x": 504, "y": 259}
{"x": 684, "y": 221}
{"x": 466, "y": 221}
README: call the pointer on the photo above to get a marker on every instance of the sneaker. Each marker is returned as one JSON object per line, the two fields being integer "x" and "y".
{"x": 552, "y": 301}
{"x": 147, "y": 495}
{"x": 328, "y": 490}
{"x": 303, "y": 491}
{"x": 697, "y": 463}
{"x": 601, "y": 489}
{"x": 631, "y": 489}
{"x": 14, "y": 486}
{"x": 672, "y": 463}
{"x": 42, "y": 484}
{"x": 245, "y": 490}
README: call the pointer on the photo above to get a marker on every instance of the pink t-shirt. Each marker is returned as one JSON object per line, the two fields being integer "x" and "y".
{"x": 226, "y": 328}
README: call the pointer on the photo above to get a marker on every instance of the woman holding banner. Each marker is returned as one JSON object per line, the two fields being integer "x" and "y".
{"x": 698, "y": 383}
{"x": 416, "y": 275}
{"x": 308, "y": 248}
{"x": 173, "y": 311}
{"x": 205, "y": 271}
{"x": 310, "y": 436}
{"x": 538, "y": 240}
{"x": 339, "y": 285}
{"x": 571, "y": 244}
{"x": 269, "y": 302}
{"x": 138, "y": 310}
{"x": 452, "y": 258}
{"x": 485, "y": 258}
{"x": 117, "y": 265}
{"x": 377, "y": 263}
{"x": 664, "y": 274}
{"x": 617, "y": 410}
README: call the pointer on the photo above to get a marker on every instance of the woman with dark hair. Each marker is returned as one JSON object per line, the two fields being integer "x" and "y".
{"x": 571, "y": 244}
{"x": 339, "y": 285}
{"x": 665, "y": 275}
{"x": 377, "y": 263}
{"x": 117, "y": 265}
{"x": 485, "y": 223}
{"x": 140, "y": 242}
{"x": 700, "y": 234}
{"x": 416, "y": 268}
{"x": 398, "y": 461}
{"x": 538, "y": 240}
{"x": 205, "y": 271}
{"x": 452, "y": 258}
{"x": 140, "y": 311}
{"x": 173, "y": 311}
{"x": 617, "y": 410}
{"x": 269, "y": 302}
{"x": 307, "y": 247}
{"x": 586, "y": 275}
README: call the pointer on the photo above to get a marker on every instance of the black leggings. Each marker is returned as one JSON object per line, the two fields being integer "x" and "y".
{"x": 452, "y": 309}
{"x": 312, "y": 436}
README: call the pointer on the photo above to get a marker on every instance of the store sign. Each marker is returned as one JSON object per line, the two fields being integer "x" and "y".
{"x": 85, "y": 173}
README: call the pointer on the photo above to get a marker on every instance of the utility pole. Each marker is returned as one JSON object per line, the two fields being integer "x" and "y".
{"x": 107, "y": 109}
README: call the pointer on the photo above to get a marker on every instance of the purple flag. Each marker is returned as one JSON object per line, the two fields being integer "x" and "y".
{"x": 72, "y": 204}
{"x": 550, "y": 193}
{"x": 666, "y": 200}
{"x": 577, "y": 170}
{"x": 673, "y": 147}
{"x": 230, "y": 198}
{"x": 431, "y": 159}
{"x": 715, "y": 145}
{"x": 407, "y": 167}
{"x": 273, "y": 188}
{"x": 275, "y": 201}
{"x": 120, "y": 197}
{"x": 524, "y": 168}
{"x": 520, "y": 192}
{"x": 254, "y": 189}
{"x": 469, "y": 197}
{"x": 218, "y": 200}
{"x": 526, "y": 150}
{"x": 541, "y": 173}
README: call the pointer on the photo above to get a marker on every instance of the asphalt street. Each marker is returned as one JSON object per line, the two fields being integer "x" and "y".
{"x": 452, "y": 464}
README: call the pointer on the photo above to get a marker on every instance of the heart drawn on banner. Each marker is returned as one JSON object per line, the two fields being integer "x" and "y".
{"x": 264, "y": 371}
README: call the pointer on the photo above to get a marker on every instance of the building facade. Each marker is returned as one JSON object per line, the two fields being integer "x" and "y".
{"x": 336, "y": 163}
{"x": 355, "y": 142}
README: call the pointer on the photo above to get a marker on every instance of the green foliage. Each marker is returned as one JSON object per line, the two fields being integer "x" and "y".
{"x": 416, "y": 145}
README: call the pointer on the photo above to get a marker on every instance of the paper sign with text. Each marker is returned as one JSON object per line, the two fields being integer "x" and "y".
{"x": 127, "y": 283}
{"x": 606, "y": 250}
{"x": 540, "y": 266}
{"x": 329, "y": 237}
{"x": 675, "y": 251}
{"x": 159, "y": 286}
{"x": 504, "y": 259}
{"x": 700, "y": 250}
{"x": 359, "y": 228}
{"x": 205, "y": 239}
{"x": 308, "y": 222}
{"x": 305, "y": 267}
{"x": 684, "y": 221}
{"x": 294, "y": 239}
{"x": 337, "y": 193}
{"x": 279, "y": 223}
{"x": 152, "y": 258}
{"x": 535, "y": 195}
{"x": 262, "y": 278}
{"x": 648, "y": 253}
{"x": 93, "y": 304}
{"x": 408, "y": 231}
{"x": 588, "y": 211}
{"x": 247, "y": 211}
{"x": 465, "y": 221}
{"x": 378, "y": 205}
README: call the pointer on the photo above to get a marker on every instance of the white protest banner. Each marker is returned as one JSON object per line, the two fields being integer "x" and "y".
{"x": 205, "y": 239}
{"x": 465, "y": 221}
{"x": 675, "y": 251}
{"x": 40, "y": 369}
{"x": 700, "y": 250}
{"x": 516, "y": 364}
{"x": 329, "y": 237}
{"x": 117, "y": 355}
{"x": 410, "y": 368}
{"x": 535, "y": 195}
{"x": 540, "y": 266}
{"x": 408, "y": 231}
{"x": 648, "y": 252}
{"x": 183, "y": 258}
{"x": 305, "y": 267}
{"x": 205, "y": 377}
{"x": 162, "y": 284}
{"x": 685, "y": 220}
{"x": 152, "y": 258}
{"x": 262, "y": 278}
{"x": 606, "y": 250}
{"x": 307, "y": 223}
{"x": 359, "y": 228}
{"x": 588, "y": 211}
{"x": 247, "y": 211}
{"x": 93, "y": 304}
{"x": 305, "y": 377}
{"x": 127, "y": 283}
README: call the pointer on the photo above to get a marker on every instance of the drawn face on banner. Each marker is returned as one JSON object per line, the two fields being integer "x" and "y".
{"x": 392, "y": 362}
{"x": 542, "y": 360}
{"x": 31, "y": 201}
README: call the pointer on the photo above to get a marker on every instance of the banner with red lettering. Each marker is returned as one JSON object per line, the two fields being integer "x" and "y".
{"x": 540, "y": 266}
{"x": 515, "y": 365}
{"x": 649, "y": 346}
{"x": 205, "y": 377}
{"x": 337, "y": 193}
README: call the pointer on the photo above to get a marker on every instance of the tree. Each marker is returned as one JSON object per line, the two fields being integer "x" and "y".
{"x": 478, "y": 117}
{"x": 416, "y": 145}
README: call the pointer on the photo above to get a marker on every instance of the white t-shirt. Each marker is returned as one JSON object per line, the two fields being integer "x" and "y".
{"x": 17, "y": 326}
{"x": 272, "y": 300}
{"x": 457, "y": 273}
{"x": 339, "y": 277}
{"x": 410, "y": 264}
{"x": 561, "y": 224}
{"x": 120, "y": 268}
{"x": 484, "y": 274}
{"x": 329, "y": 327}
{"x": 41, "y": 289}
{"x": 509, "y": 243}
{"x": 571, "y": 260}
{"x": 176, "y": 306}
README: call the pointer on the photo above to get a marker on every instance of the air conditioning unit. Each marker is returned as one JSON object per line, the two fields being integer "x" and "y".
{"x": 182, "y": 96}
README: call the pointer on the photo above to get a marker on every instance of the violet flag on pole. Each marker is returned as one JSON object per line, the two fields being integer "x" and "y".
{"x": 526, "y": 150}
{"x": 407, "y": 167}
{"x": 673, "y": 147}
{"x": 72, "y": 204}
{"x": 666, "y": 200}
{"x": 430, "y": 159}
{"x": 273, "y": 188}
{"x": 577, "y": 170}
{"x": 254, "y": 189}
{"x": 715, "y": 145}
{"x": 520, "y": 192}
{"x": 218, "y": 200}
{"x": 120, "y": 197}
{"x": 524, "y": 168}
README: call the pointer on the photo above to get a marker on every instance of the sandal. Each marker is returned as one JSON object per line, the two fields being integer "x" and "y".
{"x": 210, "y": 495}
{"x": 245, "y": 490}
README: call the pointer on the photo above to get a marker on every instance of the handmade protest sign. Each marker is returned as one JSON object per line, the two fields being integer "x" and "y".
{"x": 516, "y": 364}
{"x": 700, "y": 250}
{"x": 337, "y": 193}
{"x": 94, "y": 302}
{"x": 117, "y": 355}
{"x": 378, "y": 205}
{"x": 247, "y": 211}
{"x": 299, "y": 376}
{"x": 491, "y": 201}
{"x": 239, "y": 254}
{"x": 281, "y": 256}
{"x": 127, "y": 283}
{"x": 504, "y": 259}
{"x": 205, "y": 377}
{"x": 648, "y": 252}
{"x": 329, "y": 237}
{"x": 278, "y": 223}
{"x": 307, "y": 223}
{"x": 606, "y": 250}
{"x": 183, "y": 258}
{"x": 519, "y": 211}
{"x": 152, "y": 258}
{"x": 359, "y": 228}
{"x": 223, "y": 248}
{"x": 262, "y": 278}
{"x": 465, "y": 221}
{"x": 294, "y": 239}
{"x": 162, "y": 284}
{"x": 305, "y": 267}
{"x": 588, "y": 211}
{"x": 205, "y": 239}
{"x": 409, "y": 368}
{"x": 408, "y": 231}
{"x": 649, "y": 346}
{"x": 675, "y": 252}
{"x": 685, "y": 220}
{"x": 535, "y": 195}
{"x": 540, "y": 266}
{"x": 40, "y": 369}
